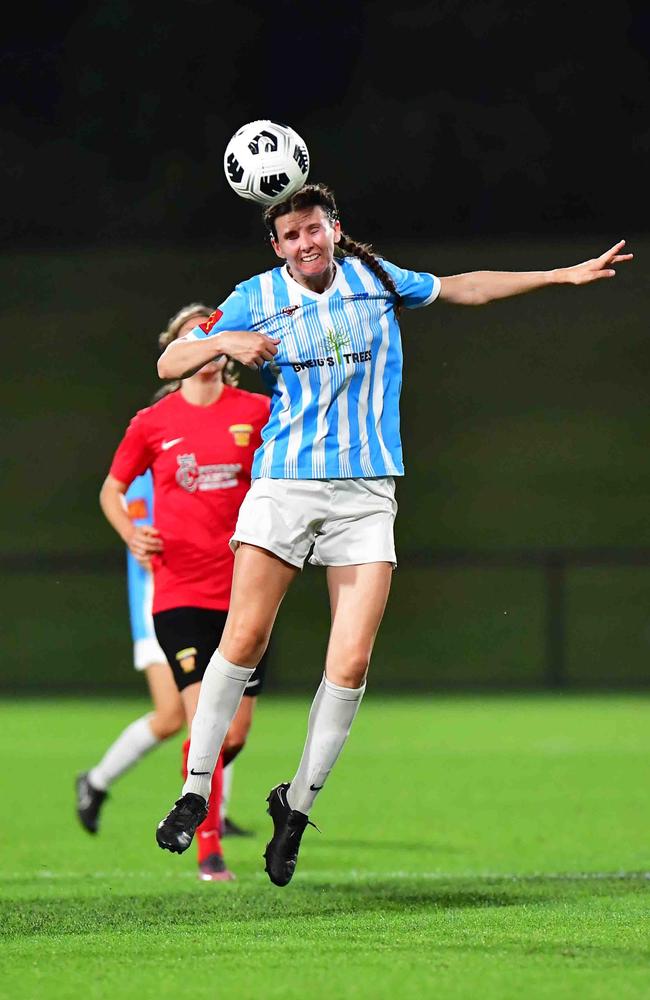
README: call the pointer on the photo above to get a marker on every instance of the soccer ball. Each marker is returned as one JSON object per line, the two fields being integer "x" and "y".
{"x": 266, "y": 162}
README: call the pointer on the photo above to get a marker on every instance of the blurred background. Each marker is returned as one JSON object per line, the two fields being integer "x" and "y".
{"x": 456, "y": 136}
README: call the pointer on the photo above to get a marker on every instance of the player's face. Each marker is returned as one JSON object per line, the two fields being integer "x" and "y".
{"x": 212, "y": 367}
{"x": 306, "y": 240}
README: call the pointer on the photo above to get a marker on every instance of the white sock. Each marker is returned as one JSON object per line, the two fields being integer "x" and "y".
{"x": 226, "y": 789}
{"x": 129, "y": 747}
{"x": 330, "y": 720}
{"x": 222, "y": 689}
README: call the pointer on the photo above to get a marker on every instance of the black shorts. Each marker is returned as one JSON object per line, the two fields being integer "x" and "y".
{"x": 189, "y": 637}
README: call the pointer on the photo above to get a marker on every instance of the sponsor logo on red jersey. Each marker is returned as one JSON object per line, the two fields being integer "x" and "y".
{"x": 211, "y": 321}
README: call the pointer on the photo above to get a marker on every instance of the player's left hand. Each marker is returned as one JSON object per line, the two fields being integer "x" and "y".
{"x": 599, "y": 267}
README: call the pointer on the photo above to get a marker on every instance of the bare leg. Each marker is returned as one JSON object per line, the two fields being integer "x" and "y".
{"x": 190, "y": 698}
{"x": 239, "y": 728}
{"x": 260, "y": 582}
{"x": 168, "y": 715}
{"x": 358, "y": 596}
{"x": 146, "y": 732}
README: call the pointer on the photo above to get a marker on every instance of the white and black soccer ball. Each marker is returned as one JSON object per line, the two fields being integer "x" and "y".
{"x": 266, "y": 162}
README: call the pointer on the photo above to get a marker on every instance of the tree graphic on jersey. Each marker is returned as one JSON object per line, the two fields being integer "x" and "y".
{"x": 336, "y": 341}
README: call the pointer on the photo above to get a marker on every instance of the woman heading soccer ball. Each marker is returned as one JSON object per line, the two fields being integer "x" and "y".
{"x": 325, "y": 334}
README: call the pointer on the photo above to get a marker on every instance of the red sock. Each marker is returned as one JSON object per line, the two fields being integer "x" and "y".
{"x": 207, "y": 834}
{"x": 186, "y": 750}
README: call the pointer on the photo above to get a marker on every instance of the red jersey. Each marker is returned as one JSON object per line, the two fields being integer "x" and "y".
{"x": 201, "y": 458}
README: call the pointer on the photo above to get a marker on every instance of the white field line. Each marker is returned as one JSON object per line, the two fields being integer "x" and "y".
{"x": 339, "y": 875}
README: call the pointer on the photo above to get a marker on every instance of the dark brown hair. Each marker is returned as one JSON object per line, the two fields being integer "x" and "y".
{"x": 312, "y": 195}
{"x": 170, "y": 333}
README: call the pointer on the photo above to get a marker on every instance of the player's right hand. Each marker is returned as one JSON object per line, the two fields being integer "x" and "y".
{"x": 144, "y": 543}
{"x": 250, "y": 349}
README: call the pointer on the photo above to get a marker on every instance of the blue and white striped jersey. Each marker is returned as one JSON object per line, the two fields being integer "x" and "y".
{"x": 336, "y": 379}
{"x": 139, "y": 501}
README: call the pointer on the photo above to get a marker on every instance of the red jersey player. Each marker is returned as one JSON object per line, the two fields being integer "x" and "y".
{"x": 198, "y": 441}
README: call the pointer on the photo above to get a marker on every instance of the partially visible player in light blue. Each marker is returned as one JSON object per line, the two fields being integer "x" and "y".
{"x": 168, "y": 715}
{"x": 324, "y": 330}
{"x": 139, "y": 501}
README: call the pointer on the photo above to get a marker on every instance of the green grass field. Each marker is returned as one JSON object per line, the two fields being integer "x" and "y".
{"x": 492, "y": 847}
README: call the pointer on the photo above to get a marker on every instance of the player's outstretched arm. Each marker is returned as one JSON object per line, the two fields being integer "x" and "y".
{"x": 184, "y": 357}
{"x": 478, "y": 287}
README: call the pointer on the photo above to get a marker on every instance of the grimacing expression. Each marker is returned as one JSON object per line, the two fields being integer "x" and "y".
{"x": 306, "y": 240}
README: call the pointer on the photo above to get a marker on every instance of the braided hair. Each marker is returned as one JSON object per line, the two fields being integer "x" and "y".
{"x": 312, "y": 195}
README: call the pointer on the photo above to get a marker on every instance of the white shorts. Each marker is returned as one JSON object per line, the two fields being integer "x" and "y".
{"x": 345, "y": 521}
{"x": 146, "y": 652}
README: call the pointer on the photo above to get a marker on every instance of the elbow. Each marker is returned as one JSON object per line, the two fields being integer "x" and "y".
{"x": 164, "y": 368}
{"x": 103, "y": 494}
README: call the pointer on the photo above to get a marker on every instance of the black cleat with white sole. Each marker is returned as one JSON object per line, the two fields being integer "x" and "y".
{"x": 175, "y": 831}
{"x": 89, "y": 803}
{"x": 281, "y": 852}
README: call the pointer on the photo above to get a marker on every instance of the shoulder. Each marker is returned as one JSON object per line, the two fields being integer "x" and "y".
{"x": 141, "y": 417}
{"x": 253, "y": 284}
{"x": 150, "y": 415}
{"x": 355, "y": 265}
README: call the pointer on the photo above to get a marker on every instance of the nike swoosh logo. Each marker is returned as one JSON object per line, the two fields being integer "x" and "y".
{"x": 315, "y": 788}
{"x": 197, "y": 773}
{"x": 166, "y": 445}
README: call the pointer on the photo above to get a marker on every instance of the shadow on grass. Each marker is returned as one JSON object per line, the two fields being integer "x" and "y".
{"x": 260, "y": 902}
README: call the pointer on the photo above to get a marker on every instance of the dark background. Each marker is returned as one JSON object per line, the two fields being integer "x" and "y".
{"x": 456, "y": 136}
{"x": 430, "y": 119}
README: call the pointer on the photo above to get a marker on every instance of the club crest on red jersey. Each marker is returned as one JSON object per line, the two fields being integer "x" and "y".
{"x": 187, "y": 474}
{"x": 241, "y": 433}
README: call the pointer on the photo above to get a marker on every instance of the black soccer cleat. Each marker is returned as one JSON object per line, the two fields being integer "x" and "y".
{"x": 231, "y": 829}
{"x": 281, "y": 852}
{"x": 89, "y": 803}
{"x": 174, "y": 833}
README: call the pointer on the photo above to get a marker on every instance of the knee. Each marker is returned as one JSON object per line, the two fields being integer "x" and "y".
{"x": 350, "y": 670}
{"x": 245, "y": 646}
{"x": 167, "y": 723}
{"x": 232, "y": 746}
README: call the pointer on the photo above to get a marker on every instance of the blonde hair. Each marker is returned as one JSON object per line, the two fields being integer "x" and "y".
{"x": 170, "y": 333}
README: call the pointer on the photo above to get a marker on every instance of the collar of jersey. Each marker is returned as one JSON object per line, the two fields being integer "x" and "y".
{"x": 317, "y": 296}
